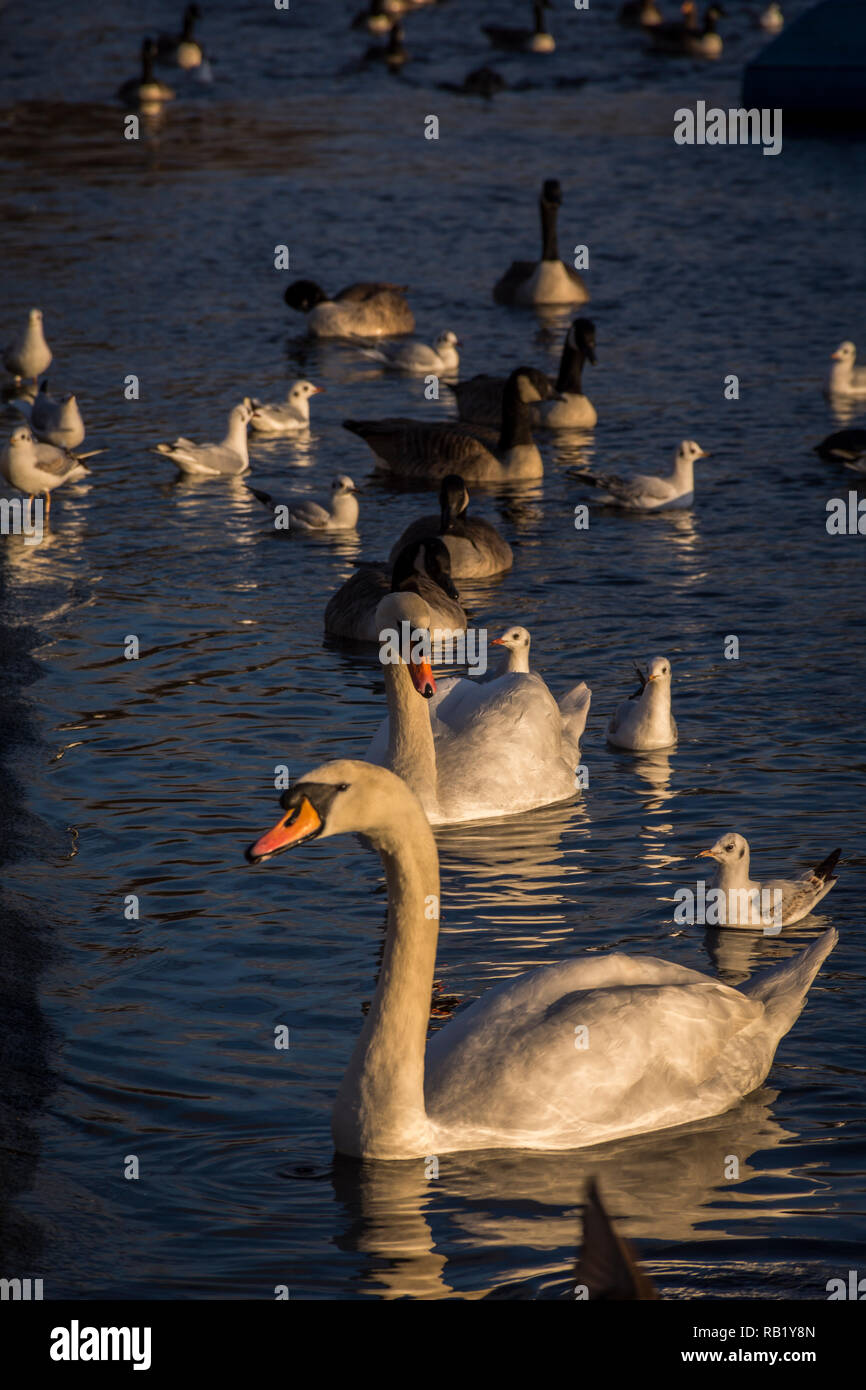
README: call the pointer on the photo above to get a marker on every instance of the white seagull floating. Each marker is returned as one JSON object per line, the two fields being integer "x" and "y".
{"x": 227, "y": 459}
{"x": 339, "y": 512}
{"x": 418, "y": 357}
{"x": 645, "y": 720}
{"x": 748, "y": 902}
{"x": 845, "y": 379}
{"x": 644, "y": 492}
{"x": 290, "y": 416}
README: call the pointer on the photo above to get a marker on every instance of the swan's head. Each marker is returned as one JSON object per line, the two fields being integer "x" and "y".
{"x": 689, "y": 451}
{"x": 334, "y": 799}
{"x": 453, "y": 498}
{"x": 302, "y": 391}
{"x": 581, "y": 337}
{"x": 845, "y": 352}
{"x": 728, "y": 849}
{"x": 516, "y": 639}
{"x": 342, "y": 483}
{"x": 304, "y": 295}
{"x": 447, "y": 340}
{"x": 403, "y": 625}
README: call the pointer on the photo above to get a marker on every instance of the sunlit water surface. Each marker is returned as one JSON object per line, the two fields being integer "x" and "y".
{"x": 154, "y": 1037}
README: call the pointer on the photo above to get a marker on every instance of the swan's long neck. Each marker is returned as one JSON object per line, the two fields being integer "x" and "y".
{"x": 549, "y": 243}
{"x": 411, "y": 751}
{"x": 379, "y": 1111}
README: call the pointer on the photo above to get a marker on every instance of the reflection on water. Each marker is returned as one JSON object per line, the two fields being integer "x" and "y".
{"x": 155, "y": 1033}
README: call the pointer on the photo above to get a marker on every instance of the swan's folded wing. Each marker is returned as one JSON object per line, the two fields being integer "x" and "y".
{"x": 590, "y": 1049}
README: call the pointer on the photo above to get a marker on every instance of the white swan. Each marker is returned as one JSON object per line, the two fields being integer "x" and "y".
{"x": 224, "y": 460}
{"x": 845, "y": 379}
{"x": 478, "y": 749}
{"x": 646, "y": 492}
{"x": 476, "y": 548}
{"x": 749, "y": 903}
{"x": 666, "y": 1045}
{"x": 419, "y": 357}
{"x": 28, "y": 355}
{"x": 339, "y": 512}
{"x": 645, "y": 720}
{"x": 290, "y": 416}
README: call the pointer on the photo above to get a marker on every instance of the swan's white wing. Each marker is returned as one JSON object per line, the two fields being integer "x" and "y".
{"x": 580, "y": 1052}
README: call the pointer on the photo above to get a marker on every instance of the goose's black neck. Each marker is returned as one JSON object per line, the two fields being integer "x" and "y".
{"x": 549, "y": 244}
{"x": 516, "y": 418}
{"x": 570, "y": 379}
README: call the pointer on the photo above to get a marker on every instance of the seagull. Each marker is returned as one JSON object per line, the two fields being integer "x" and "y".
{"x": 645, "y": 492}
{"x": 339, "y": 512}
{"x": 227, "y": 459}
{"x": 39, "y": 468}
{"x": 645, "y": 721}
{"x": 28, "y": 355}
{"x": 516, "y": 642}
{"x": 846, "y": 379}
{"x": 418, "y": 357}
{"x": 798, "y": 895}
{"x": 290, "y": 416}
{"x": 55, "y": 420}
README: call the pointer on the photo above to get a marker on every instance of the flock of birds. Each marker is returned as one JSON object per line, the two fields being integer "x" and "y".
{"x": 668, "y": 1045}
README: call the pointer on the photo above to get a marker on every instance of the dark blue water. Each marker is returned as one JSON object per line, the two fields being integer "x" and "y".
{"x": 153, "y": 1037}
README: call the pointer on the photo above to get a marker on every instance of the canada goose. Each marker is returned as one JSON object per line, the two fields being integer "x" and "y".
{"x": 640, "y": 14}
{"x": 423, "y": 567}
{"x": 57, "y": 421}
{"x": 644, "y": 721}
{"x": 691, "y": 38}
{"x": 845, "y": 446}
{"x": 550, "y": 280}
{"x": 369, "y": 309}
{"x": 563, "y": 406}
{"x": 418, "y": 357}
{"x": 646, "y": 492}
{"x": 845, "y": 379}
{"x": 668, "y": 1044}
{"x": 534, "y": 40}
{"x": 339, "y": 512}
{"x": 28, "y": 355}
{"x": 227, "y": 459}
{"x": 377, "y": 18}
{"x": 424, "y": 450}
{"x": 182, "y": 49}
{"x": 146, "y": 90}
{"x": 670, "y": 35}
{"x": 39, "y": 468}
{"x": 783, "y": 900}
{"x": 290, "y": 416}
{"x": 476, "y": 548}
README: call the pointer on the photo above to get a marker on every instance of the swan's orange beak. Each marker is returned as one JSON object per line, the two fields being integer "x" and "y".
{"x": 300, "y": 824}
{"x": 422, "y": 678}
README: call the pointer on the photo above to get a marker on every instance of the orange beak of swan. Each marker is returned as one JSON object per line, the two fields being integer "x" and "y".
{"x": 302, "y": 823}
{"x": 422, "y": 678}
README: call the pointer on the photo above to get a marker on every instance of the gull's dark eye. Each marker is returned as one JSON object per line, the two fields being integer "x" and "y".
{"x": 343, "y": 787}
